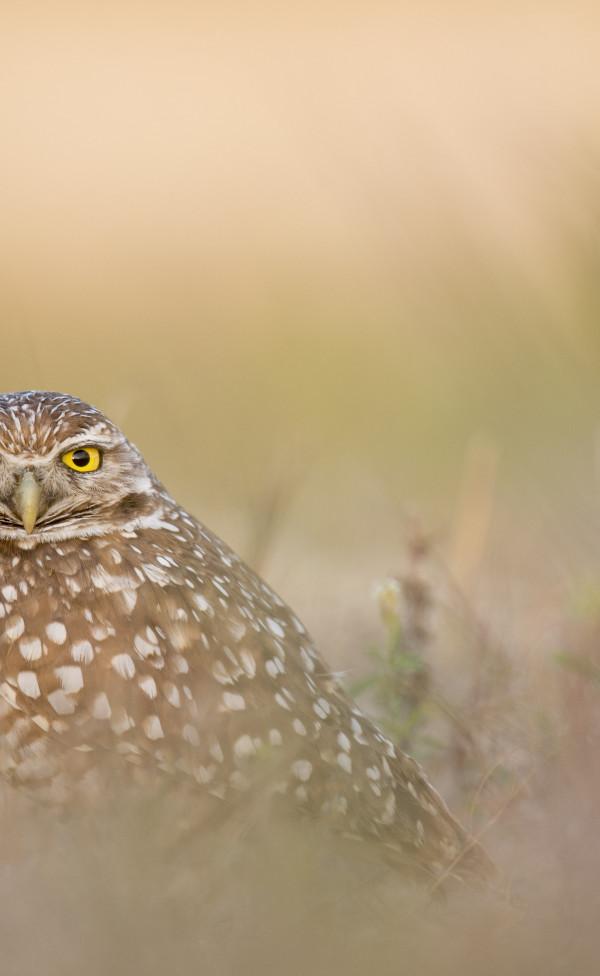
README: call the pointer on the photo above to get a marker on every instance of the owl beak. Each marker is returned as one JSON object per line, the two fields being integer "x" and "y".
{"x": 28, "y": 501}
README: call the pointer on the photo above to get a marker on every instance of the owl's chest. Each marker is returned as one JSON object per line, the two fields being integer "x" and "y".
{"x": 98, "y": 658}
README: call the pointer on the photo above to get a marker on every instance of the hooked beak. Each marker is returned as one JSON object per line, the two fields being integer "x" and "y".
{"x": 28, "y": 501}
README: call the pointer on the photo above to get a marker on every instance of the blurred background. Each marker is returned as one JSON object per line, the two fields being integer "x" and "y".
{"x": 334, "y": 268}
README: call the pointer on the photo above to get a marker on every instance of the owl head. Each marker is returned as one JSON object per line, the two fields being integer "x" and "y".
{"x": 67, "y": 471}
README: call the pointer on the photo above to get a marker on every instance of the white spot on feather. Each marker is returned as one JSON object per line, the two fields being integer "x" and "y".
{"x": 275, "y": 627}
{"x": 248, "y": 663}
{"x": 274, "y": 667}
{"x": 171, "y": 693}
{"x": 234, "y": 703}
{"x": 100, "y": 633}
{"x": 152, "y": 727}
{"x": 275, "y": 737}
{"x": 221, "y": 674}
{"x": 143, "y": 647}
{"x": 216, "y": 751}
{"x": 302, "y": 769}
{"x": 109, "y": 582}
{"x": 155, "y": 574}
{"x": 389, "y": 810}
{"x": 82, "y": 651}
{"x": 71, "y": 678}
{"x": 8, "y": 693}
{"x": 309, "y": 664}
{"x": 148, "y": 686}
{"x": 243, "y": 747}
{"x": 14, "y": 628}
{"x": 28, "y": 683}
{"x": 358, "y": 732}
{"x": 191, "y": 735}
{"x": 204, "y": 774}
{"x": 123, "y": 665}
{"x": 101, "y": 707}
{"x": 120, "y": 721}
{"x": 237, "y": 630}
{"x": 202, "y": 603}
{"x": 129, "y": 598}
{"x": 322, "y": 708}
{"x": 56, "y": 632}
{"x": 31, "y": 650}
{"x": 61, "y": 703}
{"x": 344, "y": 741}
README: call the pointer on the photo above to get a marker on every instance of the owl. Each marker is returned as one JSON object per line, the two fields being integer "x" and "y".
{"x": 132, "y": 638}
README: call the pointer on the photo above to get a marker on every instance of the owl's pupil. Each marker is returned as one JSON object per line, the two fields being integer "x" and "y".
{"x": 80, "y": 458}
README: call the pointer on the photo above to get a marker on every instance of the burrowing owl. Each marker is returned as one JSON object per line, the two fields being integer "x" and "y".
{"x": 130, "y": 632}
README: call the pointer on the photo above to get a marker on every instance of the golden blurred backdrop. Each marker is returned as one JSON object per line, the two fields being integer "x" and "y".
{"x": 332, "y": 266}
{"x": 318, "y": 252}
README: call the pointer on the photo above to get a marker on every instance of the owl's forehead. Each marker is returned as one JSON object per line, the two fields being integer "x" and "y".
{"x": 35, "y": 422}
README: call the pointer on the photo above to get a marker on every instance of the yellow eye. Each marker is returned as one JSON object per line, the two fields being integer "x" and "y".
{"x": 83, "y": 459}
